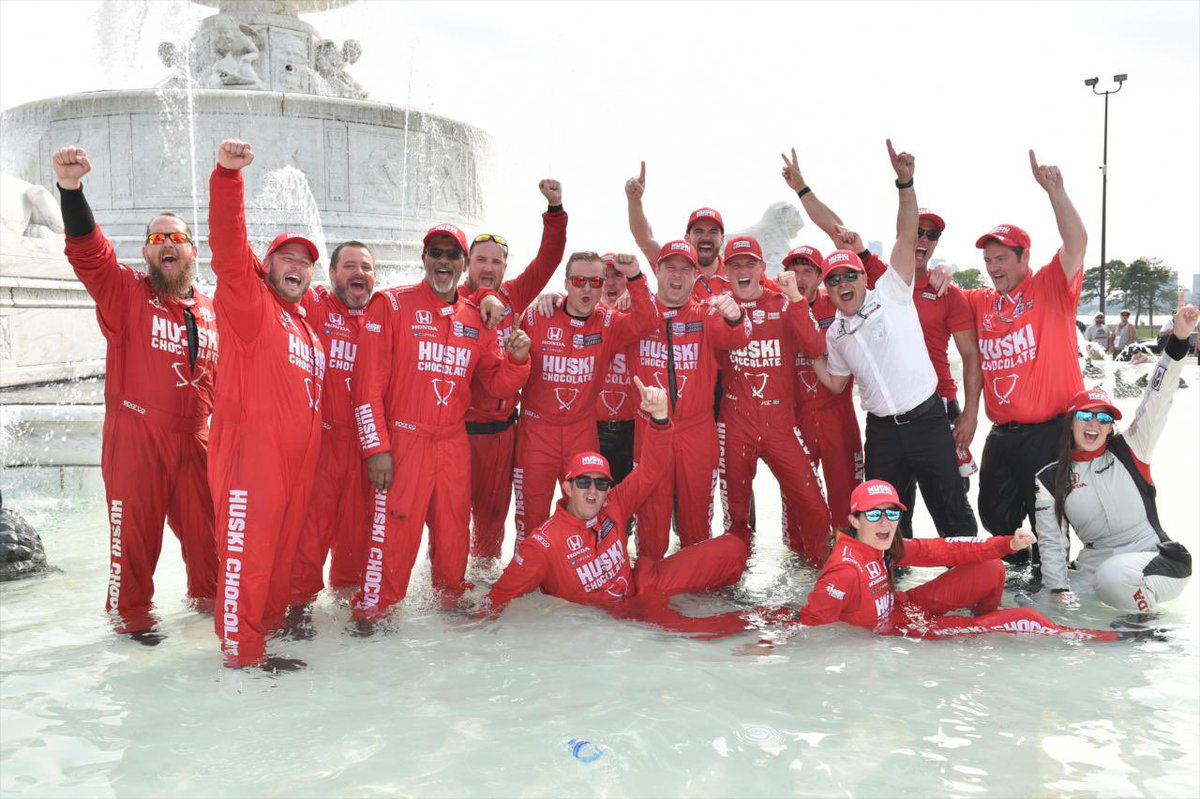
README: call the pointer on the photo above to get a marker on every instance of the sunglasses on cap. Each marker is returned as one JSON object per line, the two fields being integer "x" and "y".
{"x": 932, "y": 235}
{"x": 584, "y": 483}
{"x": 437, "y": 253}
{"x": 1083, "y": 417}
{"x": 892, "y": 514}
{"x": 175, "y": 237}
{"x": 579, "y": 281}
{"x": 844, "y": 277}
{"x": 482, "y": 237}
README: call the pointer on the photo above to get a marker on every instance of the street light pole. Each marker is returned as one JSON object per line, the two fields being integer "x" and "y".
{"x": 1091, "y": 82}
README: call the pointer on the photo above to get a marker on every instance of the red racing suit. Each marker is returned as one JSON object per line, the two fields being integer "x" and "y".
{"x": 854, "y": 587}
{"x": 758, "y": 420}
{"x": 491, "y": 420}
{"x": 156, "y": 407}
{"x": 568, "y": 360}
{"x": 587, "y": 562}
{"x": 829, "y": 425}
{"x": 338, "y": 516}
{"x": 680, "y": 356}
{"x": 411, "y": 393}
{"x": 266, "y": 432}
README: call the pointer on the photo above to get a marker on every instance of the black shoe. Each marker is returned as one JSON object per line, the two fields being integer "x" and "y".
{"x": 1154, "y": 634}
{"x": 277, "y": 665}
{"x": 298, "y": 624}
{"x": 148, "y": 637}
{"x": 1133, "y": 622}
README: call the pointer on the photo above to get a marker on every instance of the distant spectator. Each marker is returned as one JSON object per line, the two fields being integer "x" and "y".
{"x": 1124, "y": 334}
{"x": 1098, "y": 333}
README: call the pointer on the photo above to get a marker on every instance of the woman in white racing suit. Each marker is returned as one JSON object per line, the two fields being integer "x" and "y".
{"x": 1101, "y": 488}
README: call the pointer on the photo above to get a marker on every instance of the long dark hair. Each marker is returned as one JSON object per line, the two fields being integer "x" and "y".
{"x": 1062, "y": 475}
{"x": 891, "y": 558}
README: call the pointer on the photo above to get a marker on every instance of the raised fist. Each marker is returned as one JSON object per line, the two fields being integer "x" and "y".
{"x": 627, "y": 265}
{"x": 547, "y": 304}
{"x": 1048, "y": 177}
{"x": 1185, "y": 321}
{"x": 727, "y": 306}
{"x": 492, "y": 311}
{"x": 791, "y": 172}
{"x": 903, "y": 163}
{"x": 849, "y": 240}
{"x": 551, "y": 189}
{"x": 234, "y": 154}
{"x": 654, "y": 400}
{"x": 70, "y": 165}
{"x": 518, "y": 346}
{"x": 636, "y": 187}
{"x": 787, "y": 284}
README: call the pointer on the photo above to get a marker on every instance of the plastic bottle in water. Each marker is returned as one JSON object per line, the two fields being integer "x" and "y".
{"x": 585, "y": 751}
{"x": 966, "y": 464}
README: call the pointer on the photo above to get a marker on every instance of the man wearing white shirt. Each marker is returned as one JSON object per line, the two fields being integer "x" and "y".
{"x": 877, "y": 338}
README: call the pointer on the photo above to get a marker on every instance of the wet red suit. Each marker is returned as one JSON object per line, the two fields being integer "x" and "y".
{"x": 758, "y": 420}
{"x": 829, "y": 425}
{"x": 681, "y": 358}
{"x": 853, "y": 587}
{"x": 588, "y": 562}
{"x": 156, "y": 406}
{"x": 338, "y": 516}
{"x": 266, "y": 432}
{"x": 491, "y": 420}
{"x": 568, "y": 360}
{"x": 412, "y": 388}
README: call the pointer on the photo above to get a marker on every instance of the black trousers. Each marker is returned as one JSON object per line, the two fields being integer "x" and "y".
{"x": 1012, "y": 457}
{"x": 908, "y": 492}
{"x": 922, "y": 450}
{"x": 616, "y": 445}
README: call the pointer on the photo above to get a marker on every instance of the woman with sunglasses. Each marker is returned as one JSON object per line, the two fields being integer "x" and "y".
{"x": 1100, "y": 486}
{"x": 857, "y": 583}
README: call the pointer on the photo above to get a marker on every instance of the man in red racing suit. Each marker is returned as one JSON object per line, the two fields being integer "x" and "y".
{"x": 421, "y": 346}
{"x": 266, "y": 429}
{"x": 160, "y": 364}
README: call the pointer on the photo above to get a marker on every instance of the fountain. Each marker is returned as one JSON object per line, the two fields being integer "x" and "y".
{"x": 328, "y": 161}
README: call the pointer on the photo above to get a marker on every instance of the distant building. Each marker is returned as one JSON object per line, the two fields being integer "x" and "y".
{"x": 876, "y": 247}
{"x": 1195, "y": 289}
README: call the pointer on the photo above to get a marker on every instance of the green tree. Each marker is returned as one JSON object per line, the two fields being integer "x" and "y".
{"x": 1114, "y": 276}
{"x": 967, "y": 279}
{"x": 1148, "y": 284}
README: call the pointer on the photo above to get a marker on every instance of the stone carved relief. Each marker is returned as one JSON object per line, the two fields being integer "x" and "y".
{"x": 222, "y": 56}
{"x": 28, "y": 210}
{"x": 330, "y": 77}
{"x": 775, "y": 230}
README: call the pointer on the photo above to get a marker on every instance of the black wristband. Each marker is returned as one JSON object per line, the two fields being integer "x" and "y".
{"x": 554, "y": 209}
{"x": 908, "y": 185}
{"x": 660, "y": 422}
{"x": 1176, "y": 347}
{"x": 638, "y": 276}
{"x": 864, "y": 255}
{"x": 1059, "y": 590}
{"x": 76, "y": 213}
{"x": 803, "y": 192}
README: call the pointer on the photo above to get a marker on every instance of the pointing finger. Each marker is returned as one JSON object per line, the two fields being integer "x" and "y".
{"x": 1033, "y": 164}
{"x": 641, "y": 387}
{"x": 891, "y": 150}
{"x": 642, "y": 175}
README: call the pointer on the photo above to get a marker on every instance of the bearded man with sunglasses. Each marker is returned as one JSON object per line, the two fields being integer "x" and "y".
{"x": 158, "y": 393}
{"x": 491, "y": 420}
{"x": 877, "y": 338}
{"x": 571, "y": 352}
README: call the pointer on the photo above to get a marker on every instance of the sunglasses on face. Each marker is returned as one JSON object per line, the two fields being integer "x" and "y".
{"x": 892, "y": 514}
{"x": 579, "y": 281}
{"x": 175, "y": 237}
{"x": 482, "y": 237}
{"x": 584, "y": 483}
{"x": 1083, "y": 417}
{"x": 932, "y": 235}
{"x": 437, "y": 254}
{"x": 844, "y": 277}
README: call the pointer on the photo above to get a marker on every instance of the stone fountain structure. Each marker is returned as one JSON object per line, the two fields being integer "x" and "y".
{"x": 328, "y": 160}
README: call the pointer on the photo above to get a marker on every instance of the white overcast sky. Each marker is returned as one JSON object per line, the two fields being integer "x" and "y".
{"x": 709, "y": 93}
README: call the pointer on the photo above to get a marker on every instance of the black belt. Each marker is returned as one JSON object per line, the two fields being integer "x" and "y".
{"x": 1023, "y": 425}
{"x": 490, "y": 428}
{"x": 614, "y": 427}
{"x": 908, "y": 416}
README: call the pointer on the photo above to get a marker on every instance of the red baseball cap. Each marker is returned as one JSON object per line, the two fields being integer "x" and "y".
{"x": 803, "y": 253}
{"x": 678, "y": 247}
{"x": 1092, "y": 399}
{"x": 446, "y": 229}
{"x": 1008, "y": 235}
{"x": 587, "y": 463}
{"x": 288, "y": 238}
{"x": 701, "y": 214}
{"x": 841, "y": 259}
{"x": 609, "y": 259}
{"x": 873, "y": 493}
{"x": 925, "y": 213}
{"x": 742, "y": 245}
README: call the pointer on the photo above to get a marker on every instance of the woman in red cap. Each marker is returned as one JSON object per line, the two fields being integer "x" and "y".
{"x": 857, "y": 583}
{"x": 1101, "y": 487}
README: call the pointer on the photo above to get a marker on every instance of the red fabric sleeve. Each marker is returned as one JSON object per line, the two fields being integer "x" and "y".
{"x": 524, "y": 288}
{"x": 954, "y": 551}
{"x": 1051, "y": 282}
{"x": 724, "y": 335}
{"x": 641, "y": 319}
{"x": 238, "y": 270}
{"x": 498, "y": 374}
{"x": 836, "y": 587}
{"x": 876, "y": 269}
{"x": 654, "y": 461}
{"x": 958, "y": 311}
{"x": 522, "y": 576}
{"x": 371, "y": 374}
{"x": 809, "y": 338}
{"x": 107, "y": 282}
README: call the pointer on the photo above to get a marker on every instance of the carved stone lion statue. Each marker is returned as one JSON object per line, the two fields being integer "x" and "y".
{"x": 28, "y": 210}
{"x": 780, "y": 223}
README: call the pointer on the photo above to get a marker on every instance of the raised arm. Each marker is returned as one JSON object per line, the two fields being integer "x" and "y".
{"x": 522, "y": 289}
{"x": 821, "y": 214}
{"x": 639, "y": 226}
{"x": 1151, "y": 416}
{"x": 643, "y": 313}
{"x": 904, "y": 253}
{"x": 655, "y": 458}
{"x": 810, "y": 341}
{"x": 1070, "y": 225}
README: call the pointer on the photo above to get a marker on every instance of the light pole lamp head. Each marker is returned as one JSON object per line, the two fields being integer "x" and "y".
{"x": 1121, "y": 78}
{"x": 1091, "y": 82}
